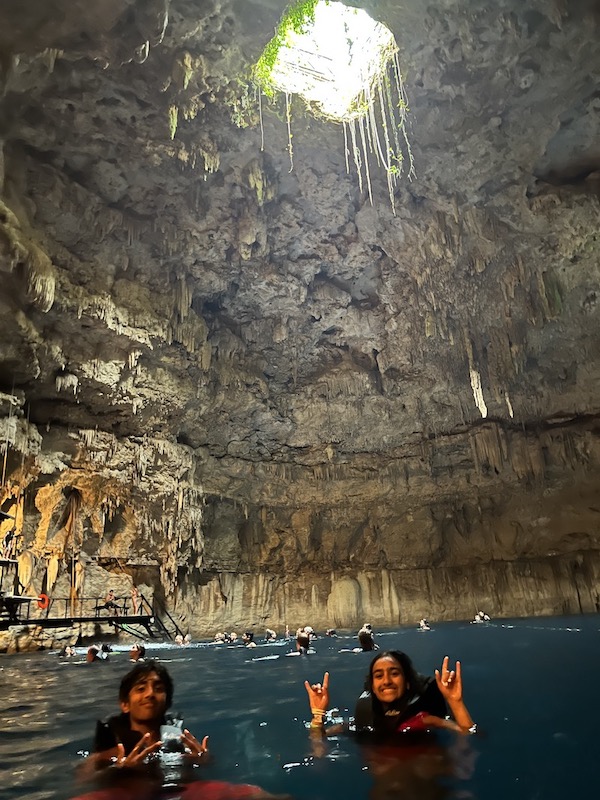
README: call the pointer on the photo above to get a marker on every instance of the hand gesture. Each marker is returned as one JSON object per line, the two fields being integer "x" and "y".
{"x": 318, "y": 693}
{"x": 192, "y": 745}
{"x": 449, "y": 682}
{"x": 142, "y": 749}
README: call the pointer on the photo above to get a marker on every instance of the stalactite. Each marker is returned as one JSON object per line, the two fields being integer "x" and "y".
{"x": 345, "y": 126}
{"x": 41, "y": 278}
{"x": 88, "y": 437}
{"x": 205, "y": 356}
{"x": 509, "y": 405}
{"x": 475, "y": 377}
{"x": 68, "y": 382}
{"x": 361, "y": 128}
{"x": 288, "y": 120}
{"x": 477, "y": 391}
{"x": 133, "y": 358}
{"x": 356, "y": 152}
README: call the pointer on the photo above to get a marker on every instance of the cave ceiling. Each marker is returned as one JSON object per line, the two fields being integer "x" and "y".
{"x": 302, "y": 345}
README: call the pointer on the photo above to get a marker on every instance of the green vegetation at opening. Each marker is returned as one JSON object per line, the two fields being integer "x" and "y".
{"x": 345, "y": 67}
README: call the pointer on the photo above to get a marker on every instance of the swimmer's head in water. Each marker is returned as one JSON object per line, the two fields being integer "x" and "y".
{"x": 141, "y": 672}
{"x": 93, "y": 654}
{"x": 391, "y": 675}
{"x": 137, "y": 651}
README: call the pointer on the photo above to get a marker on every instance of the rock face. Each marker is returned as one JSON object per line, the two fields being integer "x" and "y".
{"x": 257, "y": 394}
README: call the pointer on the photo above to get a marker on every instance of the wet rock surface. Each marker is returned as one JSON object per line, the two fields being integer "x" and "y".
{"x": 274, "y": 401}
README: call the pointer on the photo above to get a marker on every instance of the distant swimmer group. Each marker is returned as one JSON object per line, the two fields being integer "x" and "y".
{"x": 480, "y": 617}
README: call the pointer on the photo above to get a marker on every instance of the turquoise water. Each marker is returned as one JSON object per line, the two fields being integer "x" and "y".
{"x": 531, "y": 685}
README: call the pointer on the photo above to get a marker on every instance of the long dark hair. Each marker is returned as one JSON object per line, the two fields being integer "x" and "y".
{"x": 414, "y": 681}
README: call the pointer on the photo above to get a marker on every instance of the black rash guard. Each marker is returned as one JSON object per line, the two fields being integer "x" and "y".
{"x": 116, "y": 730}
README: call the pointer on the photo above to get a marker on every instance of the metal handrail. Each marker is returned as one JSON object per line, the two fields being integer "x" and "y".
{"x": 160, "y": 610}
{"x": 67, "y": 608}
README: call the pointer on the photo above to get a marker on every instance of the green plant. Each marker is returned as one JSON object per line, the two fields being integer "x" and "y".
{"x": 297, "y": 18}
{"x": 374, "y": 123}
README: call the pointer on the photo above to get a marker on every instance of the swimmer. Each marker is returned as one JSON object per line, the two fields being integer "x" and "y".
{"x": 397, "y": 699}
{"x": 136, "y": 751}
{"x": 125, "y": 740}
{"x": 331, "y": 632}
{"x": 424, "y": 625}
{"x": 187, "y": 639}
{"x": 179, "y": 639}
{"x": 233, "y": 637}
{"x": 93, "y": 654}
{"x": 303, "y": 639}
{"x": 248, "y": 639}
{"x": 137, "y": 652}
{"x": 68, "y": 651}
{"x": 220, "y": 637}
{"x": 270, "y": 635}
{"x": 366, "y": 639}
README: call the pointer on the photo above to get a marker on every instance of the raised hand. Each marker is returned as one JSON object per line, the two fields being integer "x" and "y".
{"x": 192, "y": 745}
{"x": 142, "y": 749}
{"x": 449, "y": 681}
{"x": 318, "y": 693}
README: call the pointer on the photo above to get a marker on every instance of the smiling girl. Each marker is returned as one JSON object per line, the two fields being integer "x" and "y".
{"x": 397, "y": 699}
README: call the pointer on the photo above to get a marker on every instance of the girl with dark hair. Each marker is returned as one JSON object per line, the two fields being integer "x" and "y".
{"x": 397, "y": 699}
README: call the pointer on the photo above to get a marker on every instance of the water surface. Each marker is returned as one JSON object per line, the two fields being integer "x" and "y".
{"x": 531, "y": 685}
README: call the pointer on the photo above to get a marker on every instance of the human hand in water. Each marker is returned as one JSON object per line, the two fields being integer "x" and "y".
{"x": 449, "y": 681}
{"x": 318, "y": 693}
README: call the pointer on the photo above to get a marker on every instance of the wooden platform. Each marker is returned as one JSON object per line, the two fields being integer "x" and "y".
{"x": 72, "y": 622}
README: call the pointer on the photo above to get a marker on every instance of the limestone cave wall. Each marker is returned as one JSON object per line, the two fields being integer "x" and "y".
{"x": 255, "y": 393}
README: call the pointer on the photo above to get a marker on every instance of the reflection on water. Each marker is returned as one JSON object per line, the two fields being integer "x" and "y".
{"x": 530, "y": 684}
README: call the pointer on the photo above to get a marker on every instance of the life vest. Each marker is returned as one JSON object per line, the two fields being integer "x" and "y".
{"x": 406, "y": 715}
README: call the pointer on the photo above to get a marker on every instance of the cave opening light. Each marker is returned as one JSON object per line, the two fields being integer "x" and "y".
{"x": 334, "y": 60}
{"x": 345, "y": 66}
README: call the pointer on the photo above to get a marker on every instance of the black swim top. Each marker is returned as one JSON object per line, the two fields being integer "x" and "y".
{"x": 113, "y": 731}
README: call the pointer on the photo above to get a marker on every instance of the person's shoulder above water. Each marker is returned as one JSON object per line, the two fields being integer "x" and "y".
{"x": 112, "y": 731}
{"x": 397, "y": 699}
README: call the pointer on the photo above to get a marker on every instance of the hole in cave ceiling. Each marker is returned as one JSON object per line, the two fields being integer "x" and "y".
{"x": 345, "y": 67}
{"x": 330, "y": 59}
